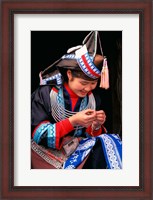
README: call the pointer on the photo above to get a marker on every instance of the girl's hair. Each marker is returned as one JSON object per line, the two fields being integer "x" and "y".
{"x": 75, "y": 74}
{"x": 79, "y": 74}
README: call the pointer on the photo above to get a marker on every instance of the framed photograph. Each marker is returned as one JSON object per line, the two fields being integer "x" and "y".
{"x": 31, "y": 32}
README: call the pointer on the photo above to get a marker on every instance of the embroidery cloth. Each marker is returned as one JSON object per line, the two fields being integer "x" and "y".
{"x": 111, "y": 145}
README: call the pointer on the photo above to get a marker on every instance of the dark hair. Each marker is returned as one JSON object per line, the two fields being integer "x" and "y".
{"x": 75, "y": 74}
{"x": 63, "y": 71}
{"x": 79, "y": 74}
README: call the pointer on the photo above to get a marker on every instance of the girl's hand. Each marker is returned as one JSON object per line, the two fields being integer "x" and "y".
{"x": 100, "y": 119}
{"x": 83, "y": 118}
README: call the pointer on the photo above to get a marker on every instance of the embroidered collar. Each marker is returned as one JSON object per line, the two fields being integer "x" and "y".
{"x": 71, "y": 93}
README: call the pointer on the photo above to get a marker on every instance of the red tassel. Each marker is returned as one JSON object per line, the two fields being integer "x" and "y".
{"x": 104, "y": 83}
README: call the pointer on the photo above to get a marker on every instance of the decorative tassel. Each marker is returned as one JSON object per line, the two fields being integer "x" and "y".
{"x": 40, "y": 77}
{"x": 104, "y": 82}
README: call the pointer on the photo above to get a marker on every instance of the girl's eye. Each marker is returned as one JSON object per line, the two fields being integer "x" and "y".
{"x": 93, "y": 83}
{"x": 83, "y": 83}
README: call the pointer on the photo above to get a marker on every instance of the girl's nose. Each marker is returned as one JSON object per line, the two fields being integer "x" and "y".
{"x": 88, "y": 88}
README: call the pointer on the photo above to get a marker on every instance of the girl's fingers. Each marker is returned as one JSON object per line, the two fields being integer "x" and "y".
{"x": 100, "y": 112}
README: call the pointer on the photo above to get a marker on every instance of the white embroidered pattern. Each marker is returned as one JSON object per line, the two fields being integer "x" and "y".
{"x": 112, "y": 153}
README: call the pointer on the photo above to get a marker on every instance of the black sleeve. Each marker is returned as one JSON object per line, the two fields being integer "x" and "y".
{"x": 40, "y": 106}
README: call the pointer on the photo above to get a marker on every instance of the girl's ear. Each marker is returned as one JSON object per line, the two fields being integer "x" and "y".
{"x": 69, "y": 75}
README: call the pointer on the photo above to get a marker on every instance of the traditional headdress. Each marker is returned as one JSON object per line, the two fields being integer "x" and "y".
{"x": 82, "y": 58}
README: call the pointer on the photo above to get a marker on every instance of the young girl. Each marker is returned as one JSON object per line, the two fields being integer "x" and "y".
{"x": 67, "y": 121}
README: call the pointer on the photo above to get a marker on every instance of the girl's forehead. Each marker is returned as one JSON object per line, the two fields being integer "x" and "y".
{"x": 84, "y": 80}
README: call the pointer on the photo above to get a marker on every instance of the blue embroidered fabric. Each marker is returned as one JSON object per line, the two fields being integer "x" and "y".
{"x": 80, "y": 154}
{"x": 50, "y": 128}
{"x": 40, "y": 130}
{"x": 112, "y": 147}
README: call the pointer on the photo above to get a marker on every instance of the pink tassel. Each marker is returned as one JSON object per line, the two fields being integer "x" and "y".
{"x": 104, "y": 83}
{"x": 40, "y": 77}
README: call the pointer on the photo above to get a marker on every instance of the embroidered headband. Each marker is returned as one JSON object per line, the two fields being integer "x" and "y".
{"x": 85, "y": 62}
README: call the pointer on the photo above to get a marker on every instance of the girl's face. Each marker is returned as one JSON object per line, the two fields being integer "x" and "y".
{"x": 80, "y": 86}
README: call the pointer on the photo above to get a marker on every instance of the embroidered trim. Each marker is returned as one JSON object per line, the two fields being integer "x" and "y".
{"x": 51, "y": 133}
{"x": 111, "y": 151}
{"x": 69, "y": 56}
{"x": 85, "y": 62}
{"x": 51, "y": 136}
{"x": 40, "y": 130}
{"x": 43, "y": 122}
{"x": 80, "y": 154}
{"x": 53, "y": 157}
{"x": 56, "y": 77}
{"x": 88, "y": 67}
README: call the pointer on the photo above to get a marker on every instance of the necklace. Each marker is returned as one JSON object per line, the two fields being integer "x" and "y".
{"x": 59, "y": 112}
